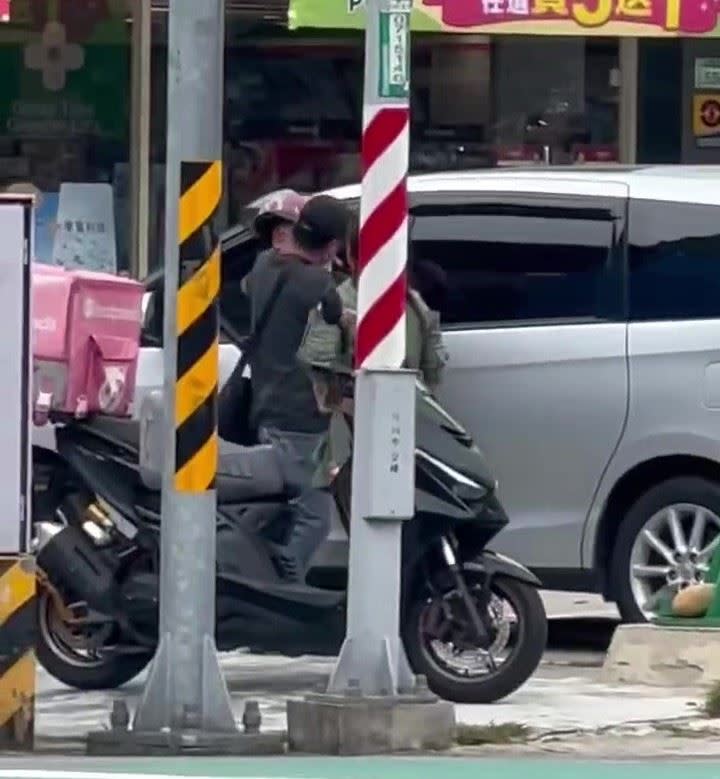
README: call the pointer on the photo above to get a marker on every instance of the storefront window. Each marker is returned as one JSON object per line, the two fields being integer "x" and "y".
{"x": 293, "y": 107}
{"x": 555, "y": 99}
{"x": 64, "y": 125}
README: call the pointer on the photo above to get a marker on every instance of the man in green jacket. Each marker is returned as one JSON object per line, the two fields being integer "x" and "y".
{"x": 334, "y": 346}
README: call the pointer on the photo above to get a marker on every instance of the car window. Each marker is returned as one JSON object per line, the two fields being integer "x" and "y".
{"x": 151, "y": 333}
{"x": 674, "y": 257}
{"x": 236, "y": 263}
{"x": 501, "y": 263}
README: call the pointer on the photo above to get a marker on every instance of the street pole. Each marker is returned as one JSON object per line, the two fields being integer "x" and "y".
{"x": 372, "y": 661}
{"x": 374, "y": 703}
{"x": 185, "y": 690}
{"x": 140, "y": 138}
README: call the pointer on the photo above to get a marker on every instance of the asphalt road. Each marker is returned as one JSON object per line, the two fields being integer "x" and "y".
{"x": 377, "y": 768}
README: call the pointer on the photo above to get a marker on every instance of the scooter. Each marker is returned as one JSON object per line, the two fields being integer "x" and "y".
{"x": 472, "y": 621}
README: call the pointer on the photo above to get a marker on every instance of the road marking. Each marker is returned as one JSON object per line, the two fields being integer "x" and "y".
{"x": 36, "y": 773}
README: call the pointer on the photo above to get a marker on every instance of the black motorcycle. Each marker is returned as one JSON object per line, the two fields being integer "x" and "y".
{"x": 472, "y": 621}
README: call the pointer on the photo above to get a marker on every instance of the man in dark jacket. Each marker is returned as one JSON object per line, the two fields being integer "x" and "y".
{"x": 284, "y": 410}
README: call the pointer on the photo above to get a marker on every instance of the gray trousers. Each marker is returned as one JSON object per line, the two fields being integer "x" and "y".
{"x": 312, "y": 507}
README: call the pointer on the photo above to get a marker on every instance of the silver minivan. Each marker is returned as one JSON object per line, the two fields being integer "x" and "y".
{"x": 581, "y": 309}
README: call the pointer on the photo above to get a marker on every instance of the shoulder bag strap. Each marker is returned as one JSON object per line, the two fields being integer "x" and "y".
{"x": 251, "y": 342}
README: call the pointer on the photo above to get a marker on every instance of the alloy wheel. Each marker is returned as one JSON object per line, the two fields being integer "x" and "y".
{"x": 673, "y": 549}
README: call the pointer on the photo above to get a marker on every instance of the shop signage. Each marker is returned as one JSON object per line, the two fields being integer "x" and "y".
{"x": 65, "y": 67}
{"x": 394, "y": 56}
{"x": 635, "y": 18}
{"x": 707, "y": 73}
{"x": 706, "y": 119}
{"x": 85, "y": 233}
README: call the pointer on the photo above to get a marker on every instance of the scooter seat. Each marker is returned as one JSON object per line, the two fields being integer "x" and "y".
{"x": 247, "y": 473}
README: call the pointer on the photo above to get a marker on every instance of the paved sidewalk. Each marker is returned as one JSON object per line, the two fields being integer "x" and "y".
{"x": 66, "y": 713}
{"x": 560, "y": 698}
{"x": 565, "y": 706}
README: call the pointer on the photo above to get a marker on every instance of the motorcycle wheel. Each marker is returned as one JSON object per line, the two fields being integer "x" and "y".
{"x": 439, "y": 640}
{"x": 73, "y": 654}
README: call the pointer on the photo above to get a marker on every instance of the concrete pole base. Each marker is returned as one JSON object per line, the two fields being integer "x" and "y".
{"x": 663, "y": 656}
{"x": 129, "y": 743}
{"x": 344, "y": 725}
{"x": 122, "y": 740}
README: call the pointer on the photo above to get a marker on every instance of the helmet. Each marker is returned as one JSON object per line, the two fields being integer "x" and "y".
{"x": 277, "y": 207}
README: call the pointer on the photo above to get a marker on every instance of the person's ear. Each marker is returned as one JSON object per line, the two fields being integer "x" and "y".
{"x": 332, "y": 251}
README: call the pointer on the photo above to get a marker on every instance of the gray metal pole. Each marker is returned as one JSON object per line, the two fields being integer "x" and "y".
{"x": 140, "y": 138}
{"x": 372, "y": 660}
{"x": 185, "y": 690}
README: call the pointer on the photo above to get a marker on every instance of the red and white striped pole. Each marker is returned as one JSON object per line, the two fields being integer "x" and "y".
{"x": 383, "y": 237}
{"x": 372, "y": 661}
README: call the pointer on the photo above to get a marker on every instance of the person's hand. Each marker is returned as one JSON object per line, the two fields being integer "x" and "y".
{"x": 320, "y": 390}
{"x": 348, "y": 319}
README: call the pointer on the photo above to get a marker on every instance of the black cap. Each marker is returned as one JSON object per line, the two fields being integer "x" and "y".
{"x": 323, "y": 219}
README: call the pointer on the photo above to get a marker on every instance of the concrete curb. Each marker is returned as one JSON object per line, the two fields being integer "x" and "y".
{"x": 333, "y": 725}
{"x": 663, "y": 656}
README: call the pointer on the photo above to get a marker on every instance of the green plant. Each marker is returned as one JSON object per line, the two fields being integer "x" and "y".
{"x": 503, "y": 733}
{"x": 712, "y": 701}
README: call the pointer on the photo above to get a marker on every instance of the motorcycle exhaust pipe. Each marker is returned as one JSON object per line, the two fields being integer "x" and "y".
{"x": 75, "y": 566}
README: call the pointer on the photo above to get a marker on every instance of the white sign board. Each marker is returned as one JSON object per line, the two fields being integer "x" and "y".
{"x": 391, "y": 474}
{"x": 707, "y": 73}
{"x": 85, "y": 234}
{"x": 16, "y": 228}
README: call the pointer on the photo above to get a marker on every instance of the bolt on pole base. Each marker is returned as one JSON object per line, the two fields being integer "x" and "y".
{"x": 211, "y": 731}
{"x": 128, "y": 743}
{"x": 157, "y": 711}
{"x": 109, "y": 743}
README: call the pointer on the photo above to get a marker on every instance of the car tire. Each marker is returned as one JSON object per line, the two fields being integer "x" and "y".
{"x": 684, "y": 490}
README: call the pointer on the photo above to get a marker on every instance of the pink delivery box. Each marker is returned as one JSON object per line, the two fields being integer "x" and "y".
{"x": 86, "y": 340}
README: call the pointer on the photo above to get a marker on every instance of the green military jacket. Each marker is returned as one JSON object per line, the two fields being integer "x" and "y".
{"x": 330, "y": 345}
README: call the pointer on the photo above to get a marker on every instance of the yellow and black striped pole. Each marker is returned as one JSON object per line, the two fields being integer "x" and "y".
{"x": 196, "y": 444}
{"x": 185, "y": 689}
{"x": 17, "y": 655}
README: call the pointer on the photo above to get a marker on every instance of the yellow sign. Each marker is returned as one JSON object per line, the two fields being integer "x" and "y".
{"x": 706, "y": 118}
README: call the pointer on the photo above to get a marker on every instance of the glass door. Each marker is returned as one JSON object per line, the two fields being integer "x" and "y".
{"x": 555, "y": 100}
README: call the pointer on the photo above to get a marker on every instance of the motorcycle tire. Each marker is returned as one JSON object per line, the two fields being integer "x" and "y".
{"x": 523, "y": 660}
{"x": 108, "y": 672}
